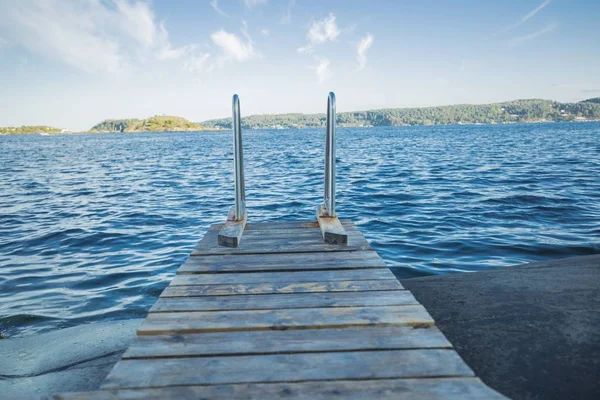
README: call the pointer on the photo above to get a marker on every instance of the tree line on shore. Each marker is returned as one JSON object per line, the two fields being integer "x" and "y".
{"x": 532, "y": 110}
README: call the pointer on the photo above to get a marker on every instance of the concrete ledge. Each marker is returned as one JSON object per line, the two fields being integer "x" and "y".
{"x": 530, "y": 331}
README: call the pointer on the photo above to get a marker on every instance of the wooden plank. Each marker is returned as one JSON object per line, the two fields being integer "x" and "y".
{"x": 287, "y": 243}
{"x": 331, "y": 228}
{"x": 264, "y": 245}
{"x": 230, "y": 234}
{"x": 298, "y": 318}
{"x": 284, "y": 277}
{"x": 288, "y": 225}
{"x": 387, "y": 389}
{"x": 280, "y": 287}
{"x": 292, "y": 341}
{"x": 422, "y": 363}
{"x": 282, "y": 262}
{"x": 277, "y": 231}
{"x": 284, "y": 301}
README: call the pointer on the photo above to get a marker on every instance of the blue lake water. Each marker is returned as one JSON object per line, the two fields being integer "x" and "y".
{"x": 92, "y": 227}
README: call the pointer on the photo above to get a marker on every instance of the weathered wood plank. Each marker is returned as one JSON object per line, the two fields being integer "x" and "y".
{"x": 230, "y": 234}
{"x": 331, "y": 228}
{"x": 292, "y": 341}
{"x": 386, "y": 389}
{"x": 284, "y": 277}
{"x": 288, "y": 225}
{"x": 258, "y": 243}
{"x": 144, "y": 373}
{"x": 286, "y": 315}
{"x": 280, "y": 287}
{"x": 298, "y": 318}
{"x": 284, "y": 301}
{"x": 282, "y": 262}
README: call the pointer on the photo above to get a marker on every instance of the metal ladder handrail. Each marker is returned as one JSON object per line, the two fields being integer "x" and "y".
{"x": 238, "y": 161}
{"x": 329, "y": 198}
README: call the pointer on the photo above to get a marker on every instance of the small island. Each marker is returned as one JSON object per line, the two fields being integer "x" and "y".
{"x": 157, "y": 123}
{"x": 29, "y": 129}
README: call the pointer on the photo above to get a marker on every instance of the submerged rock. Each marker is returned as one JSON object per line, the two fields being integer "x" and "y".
{"x": 71, "y": 359}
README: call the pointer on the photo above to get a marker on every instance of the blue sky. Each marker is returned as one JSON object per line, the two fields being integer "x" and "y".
{"x": 73, "y": 63}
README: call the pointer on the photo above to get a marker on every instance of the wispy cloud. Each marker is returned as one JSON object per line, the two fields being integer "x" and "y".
{"x": 265, "y": 32}
{"x": 525, "y": 17}
{"x": 590, "y": 91}
{"x": 522, "y": 39}
{"x": 165, "y": 51}
{"x": 321, "y": 31}
{"x": 322, "y": 69}
{"x": 215, "y": 5}
{"x": 287, "y": 17}
{"x": 139, "y": 20}
{"x": 361, "y": 50}
{"x": 94, "y": 36}
{"x": 254, "y": 3}
{"x": 233, "y": 47}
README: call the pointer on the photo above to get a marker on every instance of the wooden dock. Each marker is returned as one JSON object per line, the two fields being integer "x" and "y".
{"x": 285, "y": 315}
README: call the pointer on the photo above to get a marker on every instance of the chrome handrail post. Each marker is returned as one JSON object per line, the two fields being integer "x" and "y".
{"x": 238, "y": 161}
{"x": 330, "y": 157}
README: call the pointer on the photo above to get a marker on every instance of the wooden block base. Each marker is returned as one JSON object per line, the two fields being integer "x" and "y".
{"x": 331, "y": 228}
{"x": 231, "y": 233}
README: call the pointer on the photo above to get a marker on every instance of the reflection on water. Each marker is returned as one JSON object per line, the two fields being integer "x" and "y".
{"x": 93, "y": 226}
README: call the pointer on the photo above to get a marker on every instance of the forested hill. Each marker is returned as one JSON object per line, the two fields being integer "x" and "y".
{"x": 534, "y": 110}
{"x": 158, "y": 123}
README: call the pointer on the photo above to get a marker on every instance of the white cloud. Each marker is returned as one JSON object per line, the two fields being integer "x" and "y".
{"x": 265, "y": 32}
{"x": 166, "y": 51}
{"x": 96, "y": 36}
{"x": 323, "y": 30}
{"x": 521, "y": 39}
{"x": 68, "y": 32}
{"x": 319, "y": 32}
{"x": 252, "y": 3}
{"x": 525, "y": 17}
{"x": 232, "y": 47}
{"x": 322, "y": 70}
{"x": 530, "y": 14}
{"x": 215, "y": 5}
{"x": 361, "y": 50}
{"x": 138, "y": 21}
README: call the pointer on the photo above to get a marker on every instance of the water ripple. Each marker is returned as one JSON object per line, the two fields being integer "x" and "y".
{"x": 94, "y": 226}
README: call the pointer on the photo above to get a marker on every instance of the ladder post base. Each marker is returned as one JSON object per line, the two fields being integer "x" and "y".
{"x": 331, "y": 228}
{"x": 230, "y": 234}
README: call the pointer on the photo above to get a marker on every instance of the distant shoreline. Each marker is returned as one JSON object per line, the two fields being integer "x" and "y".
{"x": 518, "y": 111}
{"x": 301, "y": 128}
